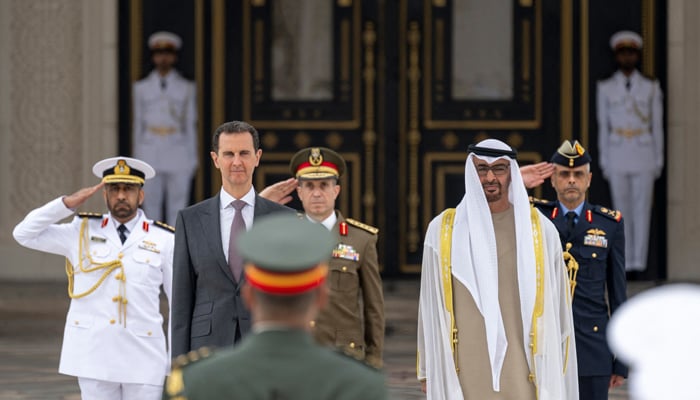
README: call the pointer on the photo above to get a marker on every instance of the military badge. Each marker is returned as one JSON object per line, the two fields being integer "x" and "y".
{"x": 149, "y": 246}
{"x": 315, "y": 158}
{"x": 98, "y": 239}
{"x": 346, "y": 252}
{"x": 595, "y": 237}
{"x": 343, "y": 228}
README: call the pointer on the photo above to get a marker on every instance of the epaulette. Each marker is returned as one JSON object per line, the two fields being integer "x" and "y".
{"x": 89, "y": 215}
{"x": 542, "y": 202}
{"x": 363, "y": 226}
{"x": 164, "y": 226}
{"x": 612, "y": 214}
{"x": 174, "y": 384}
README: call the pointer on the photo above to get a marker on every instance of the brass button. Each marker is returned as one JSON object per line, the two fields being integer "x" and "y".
{"x": 312, "y": 323}
{"x": 352, "y": 345}
{"x": 76, "y": 322}
{"x": 111, "y": 321}
{"x": 594, "y": 255}
{"x": 568, "y": 244}
{"x": 121, "y": 255}
{"x": 595, "y": 328}
{"x": 149, "y": 333}
{"x": 148, "y": 260}
{"x": 345, "y": 269}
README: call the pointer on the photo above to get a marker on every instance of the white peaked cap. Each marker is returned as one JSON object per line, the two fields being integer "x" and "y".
{"x": 656, "y": 334}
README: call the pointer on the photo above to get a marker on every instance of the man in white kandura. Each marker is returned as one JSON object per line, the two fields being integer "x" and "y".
{"x": 494, "y": 318}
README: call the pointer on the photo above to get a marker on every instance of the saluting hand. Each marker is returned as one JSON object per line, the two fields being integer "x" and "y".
{"x": 535, "y": 174}
{"x": 280, "y": 192}
{"x": 77, "y": 199}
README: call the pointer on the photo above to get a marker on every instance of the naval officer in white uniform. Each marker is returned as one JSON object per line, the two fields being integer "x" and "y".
{"x": 631, "y": 143}
{"x": 116, "y": 263}
{"x": 165, "y": 129}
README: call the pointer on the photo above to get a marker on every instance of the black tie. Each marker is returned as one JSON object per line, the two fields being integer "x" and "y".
{"x": 163, "y": 83}
{"x": 122, "y": 232}
{"x": 570, "y": 216}
{"x": 627, "y": 84}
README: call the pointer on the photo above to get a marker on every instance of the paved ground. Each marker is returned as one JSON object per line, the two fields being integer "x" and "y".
{"x": 31, "y": 327}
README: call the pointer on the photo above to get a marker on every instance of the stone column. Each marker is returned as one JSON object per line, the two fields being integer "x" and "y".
{"x": 58, "y": 113}
{"x": 683, "y": 139}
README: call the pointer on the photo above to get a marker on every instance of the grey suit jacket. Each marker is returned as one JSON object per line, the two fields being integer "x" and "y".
{"x": 206, "y": 305}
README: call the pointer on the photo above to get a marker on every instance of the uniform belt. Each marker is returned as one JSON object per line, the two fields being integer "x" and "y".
{"x": 629, "y": 133}
{"x": 162, "y": 130}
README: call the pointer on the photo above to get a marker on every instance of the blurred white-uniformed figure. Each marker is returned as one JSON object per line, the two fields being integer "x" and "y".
{"x": 164, "y": 131}
{"x": 631, "y": 143}
{"x": 656, "y": 333}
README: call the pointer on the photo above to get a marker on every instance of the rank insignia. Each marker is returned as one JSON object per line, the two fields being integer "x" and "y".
{"x": 595, "y": 237}
{"x": 343, "y": 228}
{"x": 98, "y": 239}
{"x": 346, "y": 252}
{"x": 149, "y": 246}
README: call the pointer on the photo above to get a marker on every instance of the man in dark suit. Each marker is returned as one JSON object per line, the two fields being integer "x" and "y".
{"x": 207, "y": 309}
{"x": 594, "y": 237}
{"x": 286, "y": 271}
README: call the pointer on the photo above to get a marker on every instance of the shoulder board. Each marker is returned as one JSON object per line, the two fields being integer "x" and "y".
{"x": 174, "y": 384}
{"x": 89, "y": 215}
{"x": 164, "y": 226}
{"x": 363, "y": 226}
{"x": 612, "y": 214}
{"x": 193, "y": 356}
{"x": 542, "y": 202}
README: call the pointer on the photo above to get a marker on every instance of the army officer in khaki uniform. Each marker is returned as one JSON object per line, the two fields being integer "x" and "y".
{"x": 353, "y": 321}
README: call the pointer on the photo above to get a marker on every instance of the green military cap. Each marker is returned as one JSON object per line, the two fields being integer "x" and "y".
{"x": 317, "y": 163}
{"x": 571, "y": 154}
{"x": 285, "y": 254}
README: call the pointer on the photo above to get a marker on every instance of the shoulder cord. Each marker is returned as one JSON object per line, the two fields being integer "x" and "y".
{"x": 571, "y": 267}
{"x": 108, "y": 267}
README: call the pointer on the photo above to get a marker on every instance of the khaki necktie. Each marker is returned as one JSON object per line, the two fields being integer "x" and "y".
{"x": 235, "y": 262}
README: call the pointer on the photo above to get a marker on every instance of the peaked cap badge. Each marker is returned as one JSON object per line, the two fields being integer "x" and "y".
{"x": 315, "y": 158}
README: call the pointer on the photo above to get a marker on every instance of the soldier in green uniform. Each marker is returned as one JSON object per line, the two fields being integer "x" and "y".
{"x": 354, "y": 319}
{"x": 285, "y": 271}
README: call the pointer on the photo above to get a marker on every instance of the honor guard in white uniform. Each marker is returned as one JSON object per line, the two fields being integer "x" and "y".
{"x": 631, "y": 143}
{"x": 164, "y": 131}
{"x": 116, "y": 263}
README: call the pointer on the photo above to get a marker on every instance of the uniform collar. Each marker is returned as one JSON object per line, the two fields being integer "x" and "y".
{"x": 131, "y": 224}
{"x": 329, "y": 222}
{"x": 577, "y": 210}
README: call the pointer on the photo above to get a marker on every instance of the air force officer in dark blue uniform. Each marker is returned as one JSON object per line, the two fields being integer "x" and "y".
{"x": 594, "y": 237}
